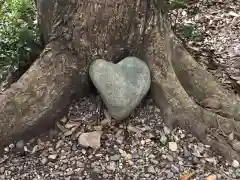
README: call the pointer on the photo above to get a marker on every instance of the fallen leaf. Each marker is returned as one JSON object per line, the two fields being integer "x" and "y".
{"x": 187, "y": 176}
{"x": 211, "y": 177}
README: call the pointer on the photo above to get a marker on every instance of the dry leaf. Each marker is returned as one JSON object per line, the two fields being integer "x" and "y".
{"x": 212, "y": 177}
{"x": 187, "y": 176}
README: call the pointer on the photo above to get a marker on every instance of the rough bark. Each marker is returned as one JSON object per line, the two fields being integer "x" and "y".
{"x": 79, "y": 31}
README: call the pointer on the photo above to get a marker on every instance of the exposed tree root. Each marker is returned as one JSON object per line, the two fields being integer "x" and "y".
{"x": 175, "y": 78}
{"x": 40, "y": 95}
{"x": 201, "y": 85}
{"x": 182, "y": 111}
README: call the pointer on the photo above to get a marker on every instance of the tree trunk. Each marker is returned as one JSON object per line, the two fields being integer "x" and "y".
{"x": 78, "y": 31}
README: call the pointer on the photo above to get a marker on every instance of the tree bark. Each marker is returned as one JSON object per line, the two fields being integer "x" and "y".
{"x": 78, "y": 31}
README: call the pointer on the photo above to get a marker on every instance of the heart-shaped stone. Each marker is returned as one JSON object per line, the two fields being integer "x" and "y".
{"x": 122, "y": 86}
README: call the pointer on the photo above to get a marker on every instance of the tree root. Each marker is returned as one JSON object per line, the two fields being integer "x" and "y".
{"x": 175, "y": 78}
{"x": 201, "y": 85}
{"x": 40, "y": 95}
{"x": 180, "y": 110}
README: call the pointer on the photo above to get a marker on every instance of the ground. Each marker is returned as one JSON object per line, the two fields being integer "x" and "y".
{"x": 139, "y": 136}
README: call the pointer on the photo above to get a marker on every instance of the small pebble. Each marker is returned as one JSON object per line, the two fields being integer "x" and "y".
{"x": 237, "y": 173}
{"x": 167, "y": 131}
{"x": 186, "y": 153}
{"x": 52, "y": 156}
{"x": 151, "y": 170}
{"x": 170, "y": 158}
{"x": 20, "y": 144}
{"x": 174, "y": 169}
{"x": 44, "y": 160}
{"x": 59, "y": 144}
{"x": 235, "y": 164}
{"x": 11, "y": 145}
{"x": 115, "y": 158}
{"x": 169, "y": 175}
{"x": 2, "y": 170}
{"x": 163, "y": 139}
{"x": 6, "y": 149}
{"x": 112, "y": 166}
{"x": 172, "y": 146}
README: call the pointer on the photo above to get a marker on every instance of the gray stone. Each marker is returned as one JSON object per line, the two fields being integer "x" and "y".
{"x": 20, "y": 144}
{"x": 122, "y": 86}
{"x": 44, "y": 160}
{"x": 90, "y": 139}
{"x": 174, "y": 169}
{"x": 151, "y": 170}
{"x": 169, "y": 175}
{"x": 186, "y": 153}
{"x": 115, "y": 157}
{"x": 112, "y": 166}
{"x": 2, "y": 170}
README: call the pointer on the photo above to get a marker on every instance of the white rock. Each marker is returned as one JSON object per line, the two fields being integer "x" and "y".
{"x": 52, "y": 156}
{"x": 90, "y": 139}
{"x": 235, "y": 164}
{"x": 151, "y": 170}
{"x": 112, "y": 166}
{"x": 128, "y": 156}
{"x": 166, "y": 130}
{"x": 130, "y": 162}
{"x": 11, "y": 146}
{"x": 172, "y": 146}
{"x": 231, "y": 13}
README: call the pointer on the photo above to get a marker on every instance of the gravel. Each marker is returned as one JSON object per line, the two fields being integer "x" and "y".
{"x": 129, "y": 150}
{"x": 141, "y": 147}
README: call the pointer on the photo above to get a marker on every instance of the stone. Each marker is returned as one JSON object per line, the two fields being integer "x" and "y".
{"x": 235, "y": 164}
{"x": 2, "y": 170}
{"x": 44, "y": 160}
{"x": 122, "y": 86}
{"x": 151, "y": 170}
{"x": 167, "y": 131}
{"x": 174, "y": 169}
{"x": 112, "y": 166}
{"x": 52, "y": 156}
{"x": 172, "y": 146}
{"x": 90, "y": 139}
{"x": 186, "y": 153}
{"x": 115, "y": 157}
{"x": 170, "y": 158}
{"x": 163, "y": 139}
{"x": 237, "y": 173}
{"x": 169, "y": 175}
